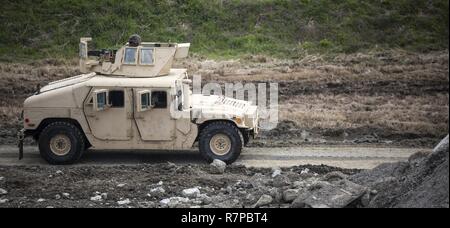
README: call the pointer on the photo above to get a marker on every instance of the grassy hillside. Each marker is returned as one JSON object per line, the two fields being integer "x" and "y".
{"x": 224, "y": 28}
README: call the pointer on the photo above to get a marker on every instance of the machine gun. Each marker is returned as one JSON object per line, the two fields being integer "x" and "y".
{"x": 104, "y": 55}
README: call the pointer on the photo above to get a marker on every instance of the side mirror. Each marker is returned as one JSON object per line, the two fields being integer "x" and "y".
{"x": 100, "y": 98}
{"x": 144, "y": 99}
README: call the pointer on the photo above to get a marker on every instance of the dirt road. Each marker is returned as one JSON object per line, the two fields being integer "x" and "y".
{"x": 338, "y": 156}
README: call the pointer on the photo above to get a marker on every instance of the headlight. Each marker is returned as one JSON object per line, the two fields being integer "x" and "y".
{"x": 238, "y": 120}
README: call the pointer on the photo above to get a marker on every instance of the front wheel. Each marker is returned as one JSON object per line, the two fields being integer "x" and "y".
{"x": 221, "y": 140}
{"x": 61, "y": 143}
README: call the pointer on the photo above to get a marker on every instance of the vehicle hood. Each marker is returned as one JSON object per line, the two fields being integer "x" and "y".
{"x": 66, "y": 82}
{"x": 221, "y": 107}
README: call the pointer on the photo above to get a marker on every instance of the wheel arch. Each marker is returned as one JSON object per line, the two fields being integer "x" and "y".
{"x": 207, "y": 122}
{"x": 244, "y": 131}
{"x": 45, "y": 122}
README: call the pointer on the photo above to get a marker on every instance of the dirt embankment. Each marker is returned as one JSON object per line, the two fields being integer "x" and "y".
{"x": 420, "y": 182}
{"x": 391, "y": 97}
{"x": 423, "y": 181}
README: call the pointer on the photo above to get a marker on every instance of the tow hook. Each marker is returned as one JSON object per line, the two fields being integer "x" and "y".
{"x": 20, "y": 137}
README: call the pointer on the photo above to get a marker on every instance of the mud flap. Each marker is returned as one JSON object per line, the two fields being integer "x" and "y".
{"x": 20, "y": 137}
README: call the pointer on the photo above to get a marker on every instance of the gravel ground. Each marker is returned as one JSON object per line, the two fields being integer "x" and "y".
{"x": 422, "y": 181}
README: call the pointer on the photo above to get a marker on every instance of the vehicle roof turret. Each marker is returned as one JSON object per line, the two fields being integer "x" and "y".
{"x": 134, "y": 59}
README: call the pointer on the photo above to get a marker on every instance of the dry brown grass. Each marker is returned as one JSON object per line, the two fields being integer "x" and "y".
{"x": 426, "y": 115}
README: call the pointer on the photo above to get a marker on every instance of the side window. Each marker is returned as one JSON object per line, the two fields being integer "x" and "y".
{"x": 100, "y": 98}
{"x": 130, "y": 56}
{"x": 146, "y": 56}
{"x": 143, "y": 100}
{"x": 116, "y": 99}
{"x": 159, "y": 99}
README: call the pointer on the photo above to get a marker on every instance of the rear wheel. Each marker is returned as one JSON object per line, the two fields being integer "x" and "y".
{"x": 221, "y": 140}
{"x": 61, "y": 143}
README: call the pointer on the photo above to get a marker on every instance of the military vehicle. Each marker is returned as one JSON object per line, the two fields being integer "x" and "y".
{"x": 132, "y": 99}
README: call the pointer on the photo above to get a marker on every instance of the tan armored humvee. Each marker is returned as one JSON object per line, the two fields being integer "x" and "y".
{"x": 131, "y": 98}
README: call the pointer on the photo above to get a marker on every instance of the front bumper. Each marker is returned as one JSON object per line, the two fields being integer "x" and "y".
{"x": 252, "y": 120}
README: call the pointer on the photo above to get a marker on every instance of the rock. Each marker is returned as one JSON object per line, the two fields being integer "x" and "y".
{"x": 191, "y": 192}
{"x": 66, "y": 195}
{"x": 250, "y": 197}
{"x": 173, "y": 201}
{"x": 57, "y": 197}
{"x": 164, "y": 201}
{"x": 367, "y": 139}
{"x": 264, "y": 200}
{"x": 179, "y": 199}
{"x": 305, "y": 171}
{"x": 243, "y": 184}
{"x": 217, "y": 167}
{"x": 304, "y": 135}
{"x": 160, "y": 183}
{"x": 324, "y": 194}
{"x": 286, "y": 70}
{"x": 365, "y": 199}
{"x": 3, "y": 192}
{"x": 281, "y": 181}
{"x": 157, "y": 192}
{"x": 104, "y": 196}
{"x": 276, "y": 171}
{"x": 40, "y": 200}
{"x": 258, "y": 180}
{"x": 59, "y": 172}
{"x": 205, "y": 198}
{"x": 2, "y": 201}
{"x": 124, "y": 202}
{"x": 171, "y": 165}
{"x": 334, "y": 176}
{"x": 96, "y": 198}
{"x": 298, "y": 184}
{"x": 121, "y": 185}
{"x": 229, "y": 190}
{"x": 2, "y": 178}
{"x": 290, "y": 195}
{"x": 276, "y": 194}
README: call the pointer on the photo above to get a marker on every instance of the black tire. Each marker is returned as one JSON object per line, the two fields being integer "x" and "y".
{"x": 77, "y": 143}
{"x": 224, "y": 128}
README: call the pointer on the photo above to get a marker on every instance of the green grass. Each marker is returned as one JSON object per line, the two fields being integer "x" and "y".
{"x": 224, "y": 28}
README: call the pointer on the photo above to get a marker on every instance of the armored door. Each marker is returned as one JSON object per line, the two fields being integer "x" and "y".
{"x": 109, "y": 113}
